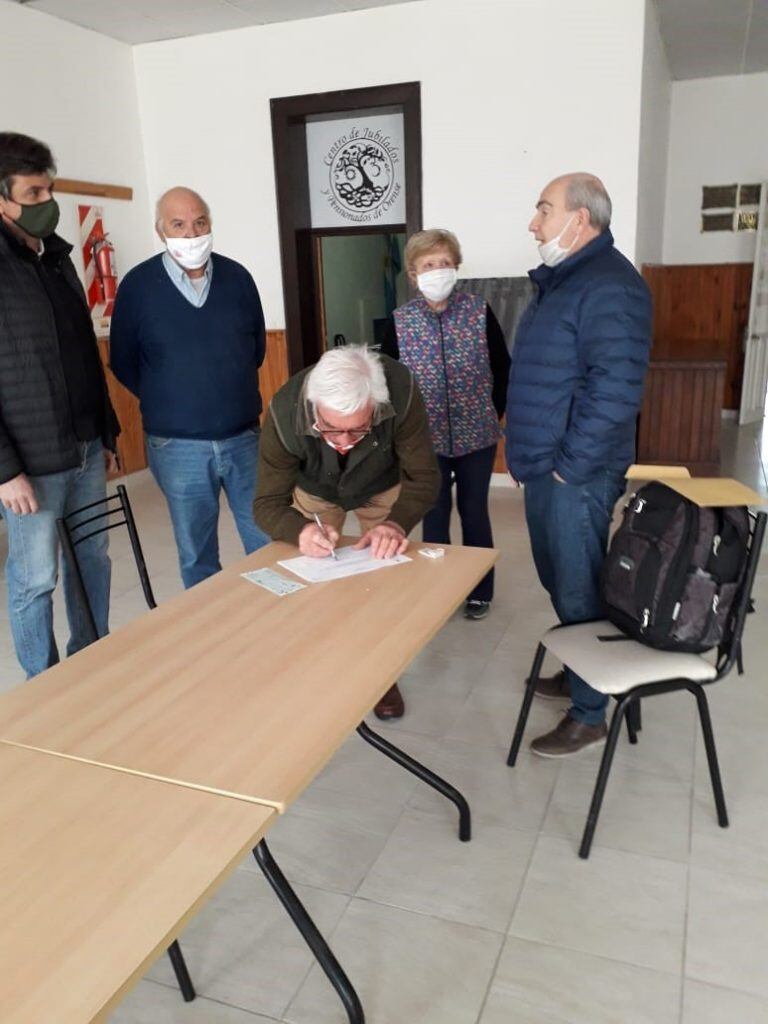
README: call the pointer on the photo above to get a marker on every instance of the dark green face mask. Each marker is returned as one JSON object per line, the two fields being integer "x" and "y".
{"x": 39, "y": 219}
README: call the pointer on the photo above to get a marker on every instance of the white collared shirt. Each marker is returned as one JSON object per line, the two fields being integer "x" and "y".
{"x": 194, "y": 290}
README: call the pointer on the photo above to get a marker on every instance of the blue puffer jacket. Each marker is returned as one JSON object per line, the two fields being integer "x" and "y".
{"x": 578, "y": 367}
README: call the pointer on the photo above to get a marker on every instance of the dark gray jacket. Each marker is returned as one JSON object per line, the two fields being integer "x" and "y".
{"x": 36, "y": 432}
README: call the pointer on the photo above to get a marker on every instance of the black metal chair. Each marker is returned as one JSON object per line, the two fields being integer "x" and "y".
{"x": 69, "y": 529}
{"x": 70, "y": 535}
{"x": 629, "y": 671}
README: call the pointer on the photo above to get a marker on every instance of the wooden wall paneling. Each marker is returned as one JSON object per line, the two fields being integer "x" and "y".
{"x": 130, "y": 443}
{"x": 700, "y": 312}
{"x": 680, "y": 422}
{"x": 274, "y": 370}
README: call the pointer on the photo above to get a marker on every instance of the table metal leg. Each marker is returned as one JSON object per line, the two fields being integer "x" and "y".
{"x": 419, "y": 770}
{"x": 310, "y": 934}
{"x": 181, "y": 972}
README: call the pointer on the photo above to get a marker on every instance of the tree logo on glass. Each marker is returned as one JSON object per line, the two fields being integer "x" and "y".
{"x": 362, "y": 174}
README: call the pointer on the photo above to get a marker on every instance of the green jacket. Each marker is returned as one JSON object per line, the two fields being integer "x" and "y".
{"x": 398, "y": 450}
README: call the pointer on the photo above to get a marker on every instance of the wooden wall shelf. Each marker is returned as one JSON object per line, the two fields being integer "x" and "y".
{"x": 92, "y": 188}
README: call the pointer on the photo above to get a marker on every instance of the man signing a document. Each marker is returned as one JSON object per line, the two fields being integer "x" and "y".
{"x": 349, "y": 434}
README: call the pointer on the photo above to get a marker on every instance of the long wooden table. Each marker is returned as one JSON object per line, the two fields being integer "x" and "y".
{"x": 100, "y": 871}
{"x": 233, "y": 695}
{"x": 236, "y": 691}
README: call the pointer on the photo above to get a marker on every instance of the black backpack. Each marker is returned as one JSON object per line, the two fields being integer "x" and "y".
{"x": 673, "y": 570}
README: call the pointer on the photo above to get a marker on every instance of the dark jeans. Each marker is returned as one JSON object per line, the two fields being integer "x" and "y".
{"x": 568, "y": 526}
{"x": 472, "y": 474}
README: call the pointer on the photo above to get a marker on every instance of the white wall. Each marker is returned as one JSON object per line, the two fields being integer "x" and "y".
{"x": 717, "y": 137}
{"x": 654, "y": 140}
{"x": 76, "y": 91}
{"x": 514, "y": 92}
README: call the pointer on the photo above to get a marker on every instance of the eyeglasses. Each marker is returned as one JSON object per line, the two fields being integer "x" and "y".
{"x": 334, "y": 433}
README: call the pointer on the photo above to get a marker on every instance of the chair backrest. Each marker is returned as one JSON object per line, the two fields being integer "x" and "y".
{"x": 73, "y": 529}
{"x": 729, "y": 650}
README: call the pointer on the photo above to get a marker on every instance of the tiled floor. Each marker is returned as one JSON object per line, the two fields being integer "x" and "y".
{"x": 667, "y": 923}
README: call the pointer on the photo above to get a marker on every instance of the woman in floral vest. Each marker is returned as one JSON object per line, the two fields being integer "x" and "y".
{"x": 455, "y": 348}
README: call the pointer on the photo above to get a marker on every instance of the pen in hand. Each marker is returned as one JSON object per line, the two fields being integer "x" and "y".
{"x": 322, "y": 530}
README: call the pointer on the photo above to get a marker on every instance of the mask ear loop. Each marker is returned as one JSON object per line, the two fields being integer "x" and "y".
{"x": 564, "y": 229}
{"x": 576, "y": 236}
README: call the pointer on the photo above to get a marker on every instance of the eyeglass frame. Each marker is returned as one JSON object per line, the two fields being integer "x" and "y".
{"x": 356, "y": 435}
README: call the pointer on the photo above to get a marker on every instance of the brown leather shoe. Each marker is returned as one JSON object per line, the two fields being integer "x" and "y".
{"x": 570, "y": 737}
{"x": 391, "y": 705}
{"x": 553, "y": 687}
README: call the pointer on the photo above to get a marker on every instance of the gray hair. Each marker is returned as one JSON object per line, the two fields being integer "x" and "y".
{"x": 586, "y": 190}
{"x": 164, "y": 196}
{"x": 347, "y": 379}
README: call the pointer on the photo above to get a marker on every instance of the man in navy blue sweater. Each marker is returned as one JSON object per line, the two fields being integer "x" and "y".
{"x": 188, "y": 339}
{"x": 575, "y": 389}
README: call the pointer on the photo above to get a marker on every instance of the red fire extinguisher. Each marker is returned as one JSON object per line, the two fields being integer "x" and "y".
{"x": 104, "y": 265}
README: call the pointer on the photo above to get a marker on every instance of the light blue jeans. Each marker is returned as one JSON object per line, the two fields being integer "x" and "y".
{"x": 32, "y": 567}
{"x": 191, "y": 474}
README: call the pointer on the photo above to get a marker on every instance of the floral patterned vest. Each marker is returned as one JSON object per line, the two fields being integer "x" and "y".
{"x": 448, "y": 354}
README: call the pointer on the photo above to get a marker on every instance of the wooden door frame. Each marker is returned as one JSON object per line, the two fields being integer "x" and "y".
{"x": 289, "y": 115}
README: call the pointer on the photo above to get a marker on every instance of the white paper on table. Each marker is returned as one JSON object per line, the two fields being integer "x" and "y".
{"x": 348, "y": 562}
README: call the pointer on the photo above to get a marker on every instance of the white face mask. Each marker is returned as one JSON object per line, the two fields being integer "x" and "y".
{"x": 551, "y": 252}
{"x": 437, "y": 285}
{"x": 191, "y": 253}
{"x": 342, "y": 449}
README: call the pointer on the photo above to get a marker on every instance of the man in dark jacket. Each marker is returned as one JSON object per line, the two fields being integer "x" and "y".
{"x": 575, "y": 390}
{"x": 349, "y": 434}
{"x": 57, "y": 426}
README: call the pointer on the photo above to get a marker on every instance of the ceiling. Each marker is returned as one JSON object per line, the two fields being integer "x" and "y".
{"x": 145, "y": 21}
{"x": 704, "y": 38}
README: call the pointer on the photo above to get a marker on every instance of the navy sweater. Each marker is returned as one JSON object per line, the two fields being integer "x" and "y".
{"x": 194, "y": 370}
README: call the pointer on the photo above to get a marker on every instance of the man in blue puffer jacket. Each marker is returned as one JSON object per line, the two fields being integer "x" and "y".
{"x": 575, "y": 389}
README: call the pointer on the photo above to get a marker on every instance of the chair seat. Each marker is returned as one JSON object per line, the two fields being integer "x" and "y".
{"x": 616, "y": 666}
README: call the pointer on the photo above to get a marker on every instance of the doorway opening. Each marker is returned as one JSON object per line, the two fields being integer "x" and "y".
{"x": 362, "y": 281}
{"x": 348, "y": 176}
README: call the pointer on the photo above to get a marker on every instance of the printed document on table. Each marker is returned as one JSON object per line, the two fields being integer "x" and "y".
{"x": 348, "y": 562}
